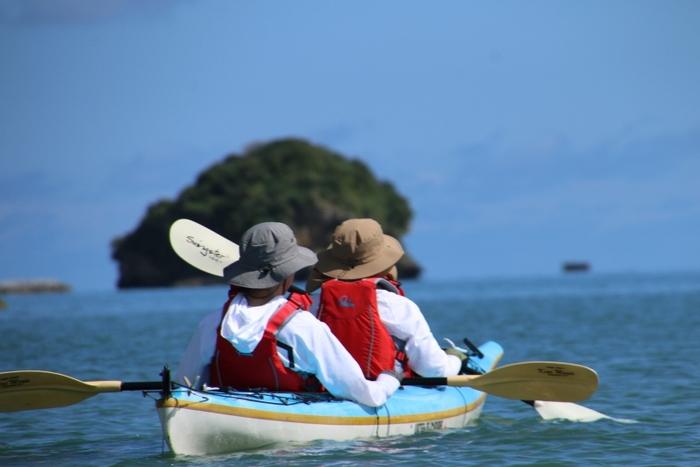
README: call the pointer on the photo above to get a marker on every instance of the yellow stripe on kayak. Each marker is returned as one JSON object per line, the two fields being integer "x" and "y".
{"x": 318, "y": 419}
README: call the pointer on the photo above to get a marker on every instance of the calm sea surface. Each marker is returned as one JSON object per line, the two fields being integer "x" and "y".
{"x": 639, "y": 332}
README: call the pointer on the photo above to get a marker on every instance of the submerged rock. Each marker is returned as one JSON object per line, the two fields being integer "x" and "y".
{"x": 32, "y": 286}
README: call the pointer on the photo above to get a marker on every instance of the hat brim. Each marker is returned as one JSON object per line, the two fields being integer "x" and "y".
{"x": 332, "y": 267}
{"x": 315, "y": 280}
{"x": 237, "y": 275}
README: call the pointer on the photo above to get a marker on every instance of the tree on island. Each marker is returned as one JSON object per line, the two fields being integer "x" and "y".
{"x": 308, "y": 187}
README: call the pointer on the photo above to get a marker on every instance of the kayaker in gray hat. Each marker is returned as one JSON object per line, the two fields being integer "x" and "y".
{"x": 264, "y": 338}
{"x": 357, "y": 272}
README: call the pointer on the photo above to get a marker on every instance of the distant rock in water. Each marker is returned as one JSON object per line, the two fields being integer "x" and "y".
{"x": 33, "y": 286}
{"x": 305, "y": 186}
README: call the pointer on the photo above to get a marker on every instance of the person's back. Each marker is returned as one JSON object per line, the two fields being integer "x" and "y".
{"x": 262, "y": 340}
{"x": 363, "y": 258}
{"x": 254, "y": 357}
{"x": 350, "y": 311}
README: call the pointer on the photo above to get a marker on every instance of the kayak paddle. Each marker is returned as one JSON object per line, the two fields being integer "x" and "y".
{"x": 552, "y": 410}
{"x": 548, "y": 410}
{"x": 549, "y": 381}
{"x": 34, "y": 389}
{"x": 202, "y": 248}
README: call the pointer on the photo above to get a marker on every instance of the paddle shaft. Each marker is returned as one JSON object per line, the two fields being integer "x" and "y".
{"x": 117, "y": 386}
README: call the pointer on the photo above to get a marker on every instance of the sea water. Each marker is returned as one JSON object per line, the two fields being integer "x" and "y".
{"x": 639, "y": 332}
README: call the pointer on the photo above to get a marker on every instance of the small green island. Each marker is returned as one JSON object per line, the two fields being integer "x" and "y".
{"x": 308, "y": 187}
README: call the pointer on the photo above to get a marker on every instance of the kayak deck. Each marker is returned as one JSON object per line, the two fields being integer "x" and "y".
{"x": 210, "y": 422}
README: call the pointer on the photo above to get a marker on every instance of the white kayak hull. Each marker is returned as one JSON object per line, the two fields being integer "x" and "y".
{"x": 196, "y": 422}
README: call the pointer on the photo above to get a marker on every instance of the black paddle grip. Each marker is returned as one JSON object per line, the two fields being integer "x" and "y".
{"x": 424, "y": 382}
{"x": 143, "y": 386}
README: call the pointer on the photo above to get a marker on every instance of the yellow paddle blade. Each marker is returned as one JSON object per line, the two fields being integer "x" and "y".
{"x": 34, "y": 389}
{"x": 543, "y": 381}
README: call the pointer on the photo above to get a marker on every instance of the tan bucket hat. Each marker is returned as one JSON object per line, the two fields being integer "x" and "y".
{"x": 359, "y": 249}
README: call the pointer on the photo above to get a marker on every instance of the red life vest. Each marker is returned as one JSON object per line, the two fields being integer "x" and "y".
{"x": 262, "y": 369}
{"x": 350, "y": 311}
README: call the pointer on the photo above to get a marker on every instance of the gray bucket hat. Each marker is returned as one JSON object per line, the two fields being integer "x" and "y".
{"x": 269, "y": 254}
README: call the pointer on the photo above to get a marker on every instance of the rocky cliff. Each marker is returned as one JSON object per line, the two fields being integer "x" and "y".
{"x": 306, "y": 186}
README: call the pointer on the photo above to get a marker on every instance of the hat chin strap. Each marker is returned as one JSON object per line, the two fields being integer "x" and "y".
{"x": 249, "y": 293}
{"x": 273, "y": 291}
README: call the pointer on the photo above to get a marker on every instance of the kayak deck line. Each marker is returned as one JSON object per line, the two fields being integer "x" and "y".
{"x": 372, "y": 418}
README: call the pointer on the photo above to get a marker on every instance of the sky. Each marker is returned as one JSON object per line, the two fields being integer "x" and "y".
{"x": 523, "y": 134}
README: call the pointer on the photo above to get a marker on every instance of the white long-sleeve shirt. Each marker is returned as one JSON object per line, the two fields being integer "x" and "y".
{"x": 316, "y": 350}
{"x": 404, "y": 320}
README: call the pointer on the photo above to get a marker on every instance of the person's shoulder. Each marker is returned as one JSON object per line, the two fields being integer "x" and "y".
{"x": 305, "y": 326}
{"x": 392, "y": 296}
{"x": 307, "y": 318}
{"x": 397, "y": 302}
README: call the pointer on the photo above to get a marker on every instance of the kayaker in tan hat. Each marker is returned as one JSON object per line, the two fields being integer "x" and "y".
{"x": 365, "y": 307}
{"x": 263, "y": 339}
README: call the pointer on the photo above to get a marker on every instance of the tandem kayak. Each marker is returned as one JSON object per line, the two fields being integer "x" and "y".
{"x": 211, "y": 421}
